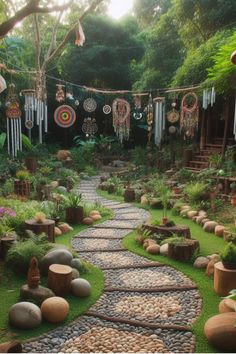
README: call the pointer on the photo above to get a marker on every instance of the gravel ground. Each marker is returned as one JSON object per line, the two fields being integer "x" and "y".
{"x": 100, "y": 232}
{"x": 89, "y": 244}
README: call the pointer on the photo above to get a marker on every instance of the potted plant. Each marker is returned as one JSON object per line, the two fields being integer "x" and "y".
{"x": 228, "y": 256}
{"x": 43, "y": 189}
{"x": 181, "y": 248}
{"x": 74, "y": 210}
{"x": 22, "y": 183}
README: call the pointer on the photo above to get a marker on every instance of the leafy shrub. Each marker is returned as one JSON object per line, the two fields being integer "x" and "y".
{"x": 228, "y": 255}
{"x": 195, "y": 191}
{"x": 19, "y": 256}
{"x": 184, "y": 175}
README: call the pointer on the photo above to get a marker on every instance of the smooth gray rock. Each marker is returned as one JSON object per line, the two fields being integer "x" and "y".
{"x": 76, "y": 263}
{"x": 62, "y": 189}
{"x": 75, "y": 273}
{"x": 164, "y": 249}
{"x": 201, "y": 262}
{"x": 25, "y": 315}
{"x": 59, "y": 256}
{"x": 80, "y": 287}
{"x": 38, "y": 294}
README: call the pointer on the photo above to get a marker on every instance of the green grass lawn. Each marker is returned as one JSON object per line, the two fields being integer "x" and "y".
{"x": 10, "y": 284}
{"x": 209, "y": 244}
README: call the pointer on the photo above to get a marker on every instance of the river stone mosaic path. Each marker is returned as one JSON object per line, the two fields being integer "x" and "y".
{"x": 128, "y": 317}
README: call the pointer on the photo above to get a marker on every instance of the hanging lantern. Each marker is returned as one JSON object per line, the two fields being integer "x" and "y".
{"x": 30, "y": 107}
{"x": 13, "y": 114}
{"x": 121, "y": 118}
{"x": 89, "y": 127}
{"x": 60, "y": 94}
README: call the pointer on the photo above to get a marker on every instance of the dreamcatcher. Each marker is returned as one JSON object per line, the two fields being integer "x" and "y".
{"x": 137, "y": 115}
{"x": 13, "y": 114}
{"x": 189, "y": 114}
{"x": 121, "y": 118}
{"x": 64, "y": 116}
{"x": 60, "y": 94}
{"x": 149, "y": 110}
{"x": 89, "y": 127}
{"x": 173, "y": 115}
{"x": 90, "y": 105}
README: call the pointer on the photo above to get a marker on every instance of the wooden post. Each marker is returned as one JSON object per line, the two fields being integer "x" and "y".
{"x": 226, "y": 114}
{"x": 59, "y": 279}
{"x": 203, "y": 130}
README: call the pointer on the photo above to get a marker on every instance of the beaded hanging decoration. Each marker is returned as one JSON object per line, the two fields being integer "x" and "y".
{"x": 121, "y": 118}
{"x": 13, "y": 114}
{"x": 30, "y": 108}
{"x": 64, "y": 116}
{"x": 89, "y": 127}
{"x": 189, "y": 114}
{"x": 173, "y": 115}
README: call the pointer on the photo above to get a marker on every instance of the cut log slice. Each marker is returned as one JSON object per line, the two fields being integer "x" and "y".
{"x": 59, "y": 279}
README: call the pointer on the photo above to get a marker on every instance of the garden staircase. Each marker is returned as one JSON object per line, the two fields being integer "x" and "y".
{"x": 201, "y": 159}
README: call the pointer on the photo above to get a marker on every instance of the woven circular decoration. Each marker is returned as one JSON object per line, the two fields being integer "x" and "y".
{"x": 64, "y": 116}
{"x": 106, "y": 109}
{"x": 173, "y": 116}
{"x": 29, "y": 124}
{"x": 172, "y": 129}
{"x": 90, "y": 105}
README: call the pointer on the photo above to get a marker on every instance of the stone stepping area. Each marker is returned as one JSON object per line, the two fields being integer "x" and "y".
{"x": 146, "y": 306}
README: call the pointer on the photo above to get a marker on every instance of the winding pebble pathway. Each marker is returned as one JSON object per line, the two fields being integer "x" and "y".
{"x": 146, "y": 307}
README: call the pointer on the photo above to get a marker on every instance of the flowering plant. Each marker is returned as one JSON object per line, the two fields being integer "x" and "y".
{"x": 8, "y": 212}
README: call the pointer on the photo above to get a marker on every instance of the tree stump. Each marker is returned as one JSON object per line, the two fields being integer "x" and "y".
{"x": 183, "y": 252}
{"x": 59, "y": 279}
{"x": 5, "y": 244}
{"x": 47, "y": 227}
{"x": 224, "y": 279}
{"x": 75, "y": 215}
{"x": 179, "y": 230}
{"x": 22, "y": 188}
{"x": 31, "y": 164}
{"x": 129, "y": 195}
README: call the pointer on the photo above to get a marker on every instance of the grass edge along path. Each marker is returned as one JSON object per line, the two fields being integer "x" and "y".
{"x": 209, "y": 244}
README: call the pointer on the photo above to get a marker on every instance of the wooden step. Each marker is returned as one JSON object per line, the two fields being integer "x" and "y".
{"x": 193, "y": 169}
{"x": 200, "y": 158}
{"x": 209, "y": 152}
{"x": 199, "y": 164}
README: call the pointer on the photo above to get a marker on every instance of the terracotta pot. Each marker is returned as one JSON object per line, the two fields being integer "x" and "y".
{"x": 74, "y": 215}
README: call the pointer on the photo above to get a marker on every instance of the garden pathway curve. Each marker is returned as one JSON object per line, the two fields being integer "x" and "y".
{"x": 146, "y": 306}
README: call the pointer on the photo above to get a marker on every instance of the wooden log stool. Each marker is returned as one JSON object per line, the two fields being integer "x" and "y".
{"x": 5, "y": 244}
{"x": 224, "y": 279}
{"x": 59, "y": 279}
{"x": 48, "y": 227}
{"x": 183, "y": 252}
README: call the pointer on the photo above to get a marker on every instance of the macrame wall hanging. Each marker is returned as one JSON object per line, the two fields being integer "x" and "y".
{"x": 64, "y": 116}
{"x": 90, "y": 105}
{"x": 121, "y": 118}
{"x": 13, "y": 114}
{"x": 189, "y": 114}
{"x": 30, "y": 108}
{"x": 209, "y": 98}
{"x": 60, "y": 94}
{"x": 159, "y": 120}
{"x": 89, "y": 127}
{"x": 149, "y": 110}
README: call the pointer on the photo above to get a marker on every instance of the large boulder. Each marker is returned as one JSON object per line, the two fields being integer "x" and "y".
{"x": 25, "y": 315}
{"x": 200, "y": 218}
{"x": 201, "y": 262}
{"x": 38, "y": 294}
{"x": 210, "y": 226}
{"x": 204, "y": 221}
{"x": 64, "y": 227}
{"x": 80, "y": 287}
{"x": 88, "y": 221}
{"x": 219, "y": 230}
{"x": 220, "y": 331}
{"x": 164, "y": 249}
{"x": 227, "y": 305}
{"x": 55, "y": 309}
{"x": 57, "y": 231}
{"x": 57, "y": 256}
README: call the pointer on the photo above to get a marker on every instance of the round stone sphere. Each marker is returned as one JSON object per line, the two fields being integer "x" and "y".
{"x": 80, "y": 287}
{"x": 25, "y": 315}
{"x": 55, "y": 309}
